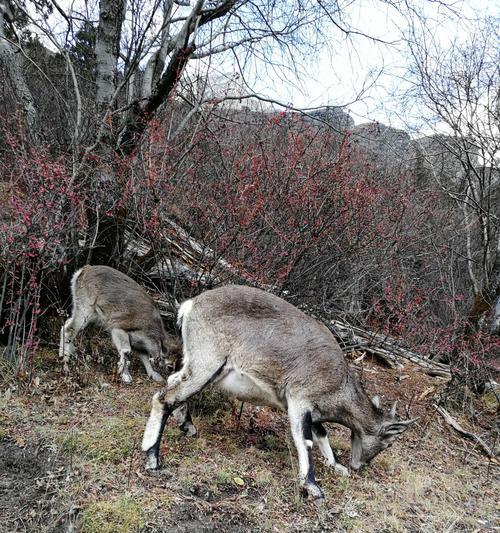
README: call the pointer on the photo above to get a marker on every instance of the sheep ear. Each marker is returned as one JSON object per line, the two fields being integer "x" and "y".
{"x": 376, "y": 401}
{"x": 395, "y": 428}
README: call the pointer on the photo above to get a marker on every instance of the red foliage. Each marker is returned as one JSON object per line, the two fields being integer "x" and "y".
{"x": 284, "y": 203}
{"x": 41, "y": 211}
{"x": 294, "y": 207}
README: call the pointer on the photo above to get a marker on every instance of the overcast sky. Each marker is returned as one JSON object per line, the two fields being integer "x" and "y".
{"x": 340, "y": 73}
{"x": 336, "y": 74}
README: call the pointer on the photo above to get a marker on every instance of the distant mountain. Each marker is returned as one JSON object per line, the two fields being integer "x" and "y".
{"x": 384, "y": 145}
{"x": 334, "y": 116}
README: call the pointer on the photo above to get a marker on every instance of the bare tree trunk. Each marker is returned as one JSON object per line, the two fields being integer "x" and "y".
{"x": 107, "y": 49}
{"x": 495, "y": 294}
{"x": 107, "y": 245}
{"x": 158, "y": 84}
{"x": 486, "y": 303}
{"x": 156, "y": 62}
{"x": 495, "y": 322}
{"x": 11, "y": 62}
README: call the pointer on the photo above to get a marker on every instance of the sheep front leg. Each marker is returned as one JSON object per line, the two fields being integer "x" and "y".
{"x": 320, "y": 437}
{"x": 301, "y": 427}
{"x": 78, "y": 321}
{"x": 122, "y": 343}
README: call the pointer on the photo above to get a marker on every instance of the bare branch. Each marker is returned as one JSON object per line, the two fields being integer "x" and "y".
{"x": 457, "y": 427}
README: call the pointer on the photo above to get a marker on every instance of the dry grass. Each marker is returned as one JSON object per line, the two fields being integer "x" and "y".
{"x": 238, "y": 479}
{"x": 124, "y": 514}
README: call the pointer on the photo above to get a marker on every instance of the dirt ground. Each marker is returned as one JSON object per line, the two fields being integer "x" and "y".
{"x": 70, "y": 461}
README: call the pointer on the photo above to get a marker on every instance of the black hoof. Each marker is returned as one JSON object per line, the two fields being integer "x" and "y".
{"x": 152, "y": 462}
{"x": 189, "y": 429}
{"x": 319, "y": 501}
{"x": 314, "y": 492}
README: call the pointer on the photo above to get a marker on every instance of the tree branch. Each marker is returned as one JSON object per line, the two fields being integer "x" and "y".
{"x": 457, "y": 427}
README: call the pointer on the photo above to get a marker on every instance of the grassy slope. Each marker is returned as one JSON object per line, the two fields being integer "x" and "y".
{"x": 83, "y": 441}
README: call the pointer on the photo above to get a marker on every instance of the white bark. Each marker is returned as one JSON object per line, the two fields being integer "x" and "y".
{"x": 111, "y": 16}
{"x": 468, "y": 239}
{"x": 10, "y": 61}
{"x": 156, "y": 63}
{"x": 495, "y": 277}
{"x": 495, "y": 323}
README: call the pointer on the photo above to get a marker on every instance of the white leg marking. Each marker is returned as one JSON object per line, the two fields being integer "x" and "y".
{"x": 325, "y": 449}
{"x": 66, "y": 347}
{"x": 153, "y": 425}
{"x": 303, "y": 462}
{"x": 327, "y": 452}
{"x": 341, "y": 470}
{"x": 126, "y": 377}
{"x": 298, "y": 439}
{"x": 123, "y": 365}
{"x": 63, "y": 341}
{"x": 122, "y": 344}
{"x": 149, "y": 369}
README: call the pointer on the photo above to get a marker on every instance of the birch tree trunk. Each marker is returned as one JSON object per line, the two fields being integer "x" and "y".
{"x": 156, "y": 63}
{"x": 159, "y": 81}
{"x": 107, "y": 244}
{"x": 107, "y": 49}
{"x": 11, "y": 62}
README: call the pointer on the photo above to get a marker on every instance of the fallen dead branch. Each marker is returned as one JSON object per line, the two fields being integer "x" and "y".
{"x": 192, "y": 260}
{"x": 457, "y": 427}
{"x": 385, "y": 348}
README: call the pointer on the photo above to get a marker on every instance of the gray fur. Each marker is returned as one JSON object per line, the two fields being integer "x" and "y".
{"x": 107, "y": 297}
{"x": 261, "y": 349}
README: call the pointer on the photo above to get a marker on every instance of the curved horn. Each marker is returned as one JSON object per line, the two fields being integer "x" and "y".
{"x": 393, "y": 410}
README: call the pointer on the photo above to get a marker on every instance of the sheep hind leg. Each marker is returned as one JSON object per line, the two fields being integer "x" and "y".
{"x": 180, "y": 387}
{"x": 78, "y": 321}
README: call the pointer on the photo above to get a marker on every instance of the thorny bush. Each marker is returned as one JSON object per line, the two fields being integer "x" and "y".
{"x": 41, "y": 212}
{"x": 285, "y": 203}
{"x": 298, "y": 208}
